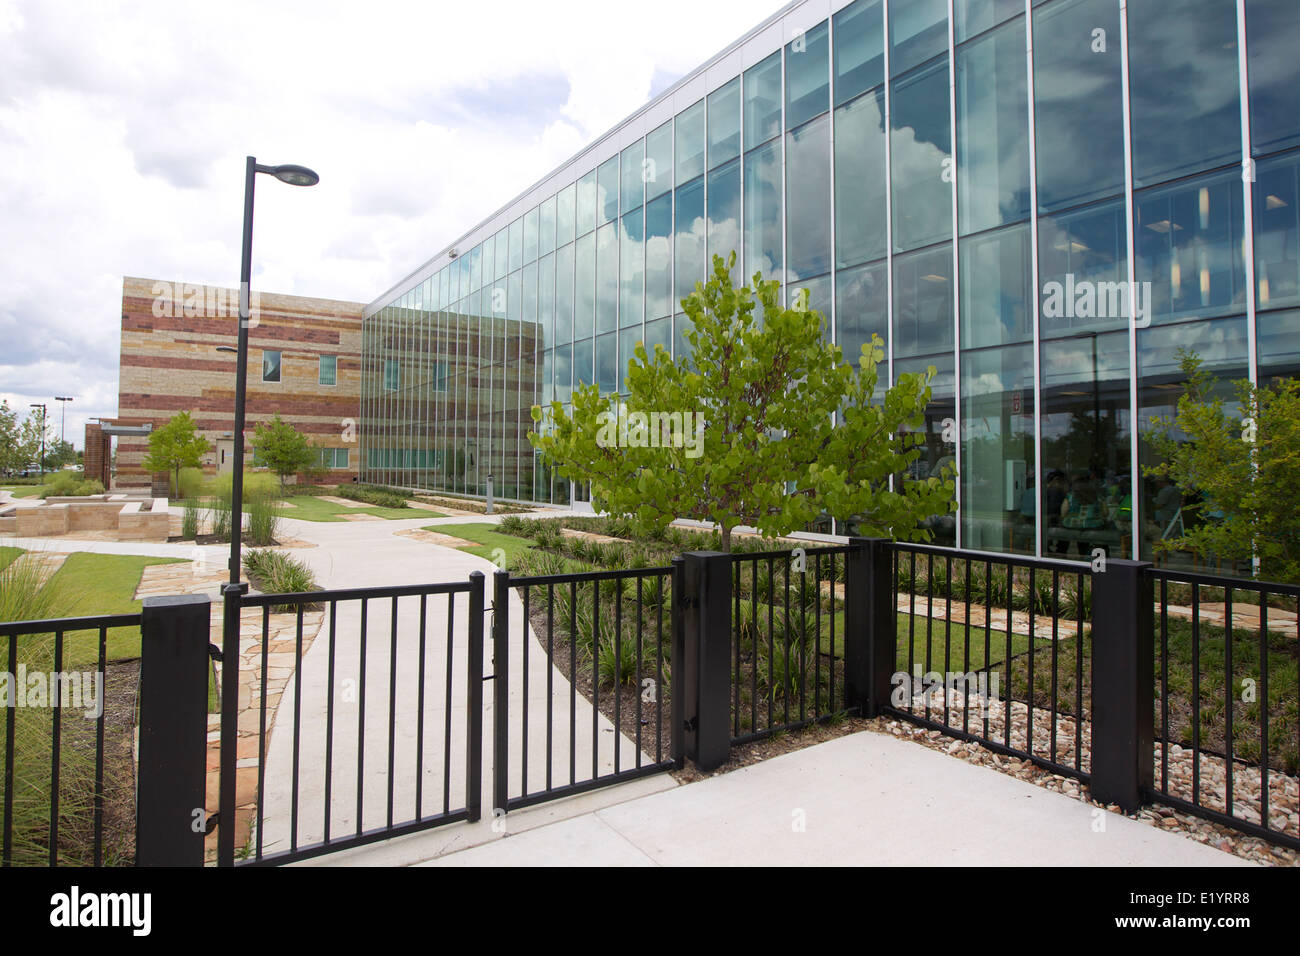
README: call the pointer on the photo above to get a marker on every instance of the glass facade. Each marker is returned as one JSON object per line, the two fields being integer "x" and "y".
{"x": 1043, "y": 200}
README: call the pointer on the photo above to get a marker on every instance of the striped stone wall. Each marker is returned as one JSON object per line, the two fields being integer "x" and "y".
{"x": 170, "y": 364}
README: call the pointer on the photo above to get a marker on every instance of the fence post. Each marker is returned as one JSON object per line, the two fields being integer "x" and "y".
{"x": 677, "y": 701}
{"x": 474, "y": 705}
{"x": 870, "y": 627}
{"x": 171, "y": 787}
{"x": 1123, "y": 720}
{"x": 500, "y": 692}
{"x": 475, "y": 700}
{"x": 706, "y": 684}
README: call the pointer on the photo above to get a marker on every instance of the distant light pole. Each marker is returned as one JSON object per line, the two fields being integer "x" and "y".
{"x": 40, "y": 463}
{"x": 63, "y": 428}
{"x": 294, "y": 176}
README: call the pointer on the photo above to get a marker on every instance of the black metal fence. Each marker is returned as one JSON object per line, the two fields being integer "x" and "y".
{"x": 787, "y": 639}
{"x": 994, "y": 650}
{"x": 54, "y": 785}
{"x": 387, "y": 680}
{"x": 607, "y": 638}
{"x": 1227, "y": 729}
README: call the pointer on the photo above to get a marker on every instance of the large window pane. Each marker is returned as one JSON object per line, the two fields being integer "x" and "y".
{"x": 807, "y": 78}
{"x": 564, "y": 214}
{"x": 563, "y": 373}
{"x": 631, "y": 269}
{"x": 1277, "y": 233}
{"x": 584, "y": 287}
{"x": 658, "y": 257}
{"x": 627, "y": 342}
{"x": 763, "y": 101}
{"x": 762, "y": 212}
{"x": 530, "y": 235}
{"x": 999, "y": 503}
{"x": 1278, "y": 334}
{"x": 976, "y": 16}
{"x": 996, "y": 303}
{"x": 1078, "y": 109}
{"x": 586, "y": 203}
{"x": 689, "y": 239}
{"x": 808, "y": 197}
{"x": 1272, "y": 39}
{"x": 920, "y": 145}
{"x": 923, "y": 301}
{"x": 516, "y": 244}
{"x": 583, "y": 363}
{"x": 631, "y": 187}
{"x": 992, "y": 130}
{"x": 607, "y": 376}
{"x": 918, "y": 30}
{"x": 1086, "y": 431}
{"x": 1083, "y": 268}
{"x": 564, "y": 294}
{"x": 859, "y": 49}
{"x": 658, "y": 168}
{"x": 860, "y": 145}
{"x": 939, "y": 448}
{"x": 1221, "y": 346}
{"x": 724, "y": 211}
{"x": 861, "y": 308}
{"x": 1187, "y": 239}
{"x": 607, "y": 278}
{"x": 546, "y": 227}
{"x": 724, "y": 123}
{"x": 690, "y": 142}
{"x": 502, "y": 254}
{"x": 546, "y": 299}
{"x": 1170, "y": 54}
{"x": 607, "y": 185}
{"x": 658, "y": 332}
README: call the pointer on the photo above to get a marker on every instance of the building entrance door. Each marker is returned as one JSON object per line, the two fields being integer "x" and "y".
{"x": 225, "y": 455}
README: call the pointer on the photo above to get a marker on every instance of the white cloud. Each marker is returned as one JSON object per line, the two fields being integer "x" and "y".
{"x": 123, "y": 131}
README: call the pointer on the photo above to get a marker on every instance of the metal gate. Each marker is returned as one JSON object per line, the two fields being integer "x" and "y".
{"x": 583, "y": 682}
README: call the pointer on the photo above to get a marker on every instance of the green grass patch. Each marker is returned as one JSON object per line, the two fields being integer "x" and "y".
{"x": 22, "y": 491}
{"x": 311, "y": 508}
{"x": 7, "y": 555}
{"x": 97, "y": 584}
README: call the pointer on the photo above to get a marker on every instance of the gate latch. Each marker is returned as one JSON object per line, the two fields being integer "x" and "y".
{"x": 214, "y": 652}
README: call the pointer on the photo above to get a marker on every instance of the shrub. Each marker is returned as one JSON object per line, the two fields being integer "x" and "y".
{"x": 263, "y": 520}
{"x": 190, "y": 484}
{"x": 22, "y": 597}
{"x": 277, "y": 572}
{"x": 371, "y": 496}
{"x": 219, "y": 513}
{"x": 71, "y": 484}
{"x": 190, "y": 518}
{"x": 256, "y": 483}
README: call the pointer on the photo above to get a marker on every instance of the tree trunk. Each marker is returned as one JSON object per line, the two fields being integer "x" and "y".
{"x": 726, "y": 539}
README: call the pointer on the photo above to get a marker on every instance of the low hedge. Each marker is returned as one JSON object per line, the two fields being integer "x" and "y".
{"x": 371, "y": 496}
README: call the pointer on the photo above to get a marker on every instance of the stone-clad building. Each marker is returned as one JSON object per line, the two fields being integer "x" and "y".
{"x": 304, "y": 363}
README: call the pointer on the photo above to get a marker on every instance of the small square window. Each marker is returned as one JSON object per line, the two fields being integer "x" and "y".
{"x": 328, "y": 372}
{"x": 270, "y": 366}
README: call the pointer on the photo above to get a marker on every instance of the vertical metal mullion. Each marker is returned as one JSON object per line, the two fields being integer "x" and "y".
{"x": 1248, "y": 211}
{"x": 1135, "y": 484}
{"x": 1033, "y": 260}
{"x": 889, "y": 206}
{"x": 956, "y": 273}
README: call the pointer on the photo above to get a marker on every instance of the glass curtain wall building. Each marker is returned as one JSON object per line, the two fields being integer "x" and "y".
{"x": 1046, "y": 200}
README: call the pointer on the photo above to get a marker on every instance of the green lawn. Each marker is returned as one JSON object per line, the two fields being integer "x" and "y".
{"x": 7, "y": 555}
{"x": 94, "y": 584}
{"x": 309, "y": 508}
{"x": 487, "y": 538}
{"x": 22, "y": 491}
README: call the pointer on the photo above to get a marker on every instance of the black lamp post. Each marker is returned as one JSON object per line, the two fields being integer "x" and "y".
{"x": 63, "y": 428}
{"x": 294, "y": 176}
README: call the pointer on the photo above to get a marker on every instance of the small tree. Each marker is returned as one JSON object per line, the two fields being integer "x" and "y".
{"x": 15, "y": 452}
{"x": 282, "y": 448}
{"x": 175, "y": 446}
{"x": 1245, "y": 469}
{"x": 765, "y": 425}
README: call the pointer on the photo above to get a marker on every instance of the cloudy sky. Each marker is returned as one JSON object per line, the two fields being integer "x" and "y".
{"x": 124, "y": 127}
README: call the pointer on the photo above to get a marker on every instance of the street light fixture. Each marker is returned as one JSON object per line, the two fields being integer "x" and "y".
{"x": 294, "y": 176}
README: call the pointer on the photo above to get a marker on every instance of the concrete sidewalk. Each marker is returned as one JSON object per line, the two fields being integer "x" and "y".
{"x": 863, "y": 799}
